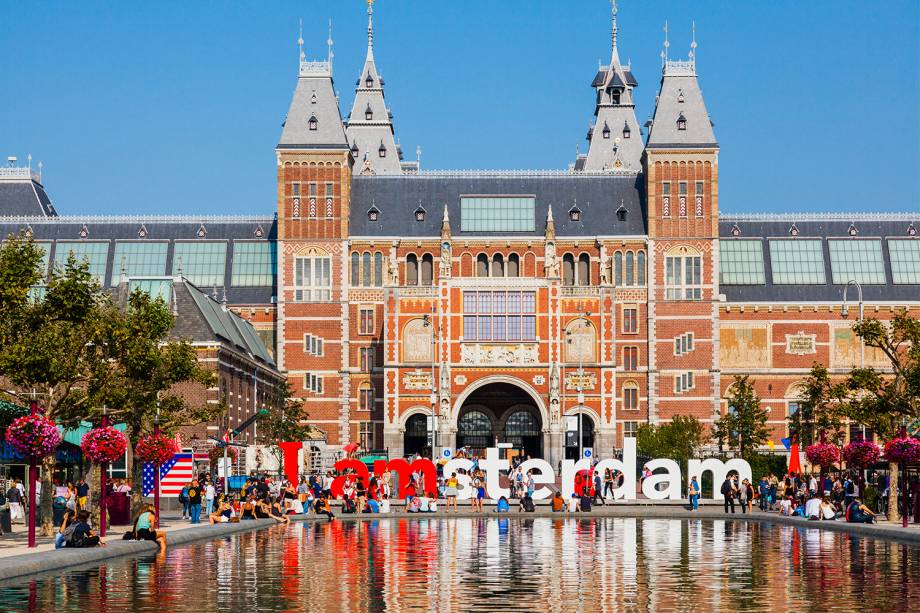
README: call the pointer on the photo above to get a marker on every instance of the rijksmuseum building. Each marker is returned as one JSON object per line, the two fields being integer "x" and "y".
{"x": 412, "y": 307}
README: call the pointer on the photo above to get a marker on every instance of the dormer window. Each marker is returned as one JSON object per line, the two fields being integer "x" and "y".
{"x": 621, "y": 213}
{"x": 681, "y": 122}
{"x": 575, "y": 213}
{"x": 680, "y": 96}
{"x": 354, "y": 148}
{"x": 369, "y": 81}
{"x": 606, "y": 130}
{"x": 368, "y": 113}
{"x": 313, "y": 98}
{"x": 626, "y": 131}
{"x": 382, "y": 151}
{"x": 420, "y": 213}
{"x": 313, "y": 123}
{"x": 373, "y": 214}
{"x": 615, "y": 97}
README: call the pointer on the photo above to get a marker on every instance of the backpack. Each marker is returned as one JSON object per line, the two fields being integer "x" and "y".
{"x": 585, "y": 503}
{"x": 68, "y": 535}
{"x": 527, "y": 504}
{"x": 183, "y": 495}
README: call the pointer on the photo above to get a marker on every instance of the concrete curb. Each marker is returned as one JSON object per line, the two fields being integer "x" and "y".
{"x": 45, "y": 561}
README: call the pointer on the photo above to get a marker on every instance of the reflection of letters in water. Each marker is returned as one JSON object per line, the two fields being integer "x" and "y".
{"x": 417, "y": 342}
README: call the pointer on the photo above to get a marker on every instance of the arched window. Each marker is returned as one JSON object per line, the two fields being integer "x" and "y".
{"x": 474, "y": 429}
{"x": 640, "y": 267}
{"x": 568, "y": 269}
{"x": 427, "y": 269}
{"x": 482, "y": 265}
{"x": 313, "y": 123}
{"x": 366, "y": 269}
{"x": 683, "y": 274}
{"x": 411, "y": 269}
{"x": 584, "y": 269}
{"x": 630, "y": 271}
{"x": 355, "y": 268}
{"x": 366, "y": 397}
{"x": 630, "y": 396}
{"x": 514, "y": 265}
{"x": 522, "y": 423}
{"x": 498, "y": 265}
{"x": 618, "y": 268}
{"x": 378, "y": 269}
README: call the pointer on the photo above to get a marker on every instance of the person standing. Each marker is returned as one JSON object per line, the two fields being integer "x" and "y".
{"x": 194, "y": 502}
{"x": 608, "y": 483}
{"x": 183, "y": 500}
{"x": 82, "y": 494}
{"x": 451, "y": 492}
{"x": 209, "y": 493}
{"x": 693, "y": 490}
{"x": 728, "y": 494}
{"x": 14, "y": 497}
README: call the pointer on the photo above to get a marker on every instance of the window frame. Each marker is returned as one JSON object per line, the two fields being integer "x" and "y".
{"x": 630, "y": 318}
{"x": 367, "y": 326}
{"x": 304, "y": 286}
{"x": 904, "y": 269}
{"x": 501, "y": 316}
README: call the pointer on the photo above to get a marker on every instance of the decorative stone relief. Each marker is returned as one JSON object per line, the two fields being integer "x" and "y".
{"x": 417, "y": 342}
{"x": 460, "y": 380}
{"x": 585, "y": 381}
{"x": 550, "y": 262}
{"x": 498, "y": 355}
{"x": 801, "y": 343}
{"x": 554, "y": 405}
{"x": 581, "y": 342}
{"x": 392, "y": 277}
{"x": 417, "y": 380}
{"x": 539, "y": 380}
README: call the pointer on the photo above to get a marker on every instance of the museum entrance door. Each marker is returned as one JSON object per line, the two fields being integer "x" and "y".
{"x": 501, "y": 413}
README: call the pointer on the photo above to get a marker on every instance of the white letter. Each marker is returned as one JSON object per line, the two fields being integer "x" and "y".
{"x": 465, "y": 491}
{"x": 627, "y": 468}
{"x": 542, "y": 474}
{"x": 671, "y": 477}
{"x": 491, "y": 465}
{"x": 719, "y": 469}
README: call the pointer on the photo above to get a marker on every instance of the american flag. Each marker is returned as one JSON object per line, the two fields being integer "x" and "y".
{"x": 174, "y": 475}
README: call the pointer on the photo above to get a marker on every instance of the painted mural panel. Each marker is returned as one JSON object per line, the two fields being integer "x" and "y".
{"x": 846, "y": 351}
{"x": 745, "y": 347}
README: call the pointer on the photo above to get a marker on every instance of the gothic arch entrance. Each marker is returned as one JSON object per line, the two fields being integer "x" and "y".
{"x": 500, "y": 413}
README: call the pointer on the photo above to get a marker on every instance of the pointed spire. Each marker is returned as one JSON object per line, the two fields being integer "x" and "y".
{"x": 445, "y": 225}
{"x": 370, "y": 30}
{"x": 300, "y": 41}
{"x": 693, "y": 43}
{"x": 614, "y": 54}
{"x": 550, "y": 224}
{"x": 667, "y": 43}
{"x": 329, "y": 45}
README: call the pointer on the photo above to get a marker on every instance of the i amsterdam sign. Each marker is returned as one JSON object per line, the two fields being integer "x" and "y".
{"x": 666, "y": 482}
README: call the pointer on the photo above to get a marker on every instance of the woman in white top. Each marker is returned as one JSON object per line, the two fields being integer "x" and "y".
{"x": 828, "y": 510}
{"x": 385, "y": 504}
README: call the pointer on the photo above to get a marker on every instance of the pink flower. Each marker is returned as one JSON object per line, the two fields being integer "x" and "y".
{"x": 903, "y": 450}
{"x": 102, "y": 445}
{"x": 823, "y": 454}
{"x": 33, "y": 436}
{"x": 861, "y": 453}
{"x": 156, "y": 448}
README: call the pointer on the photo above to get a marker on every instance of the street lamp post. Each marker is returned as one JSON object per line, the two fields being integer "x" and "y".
{"x": 428, "y": 322}
{"x": 845, "y": 312}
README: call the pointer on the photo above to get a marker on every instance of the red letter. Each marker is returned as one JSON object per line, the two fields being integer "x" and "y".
{"x": 339, "y": 482}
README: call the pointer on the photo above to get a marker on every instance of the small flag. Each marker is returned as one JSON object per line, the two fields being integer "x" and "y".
{"x": 771, "y": 444}
{"x": 787, "y": 443}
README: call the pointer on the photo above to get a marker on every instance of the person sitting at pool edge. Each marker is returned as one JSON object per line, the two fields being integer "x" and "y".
{"x": 223, "y": 513}
{"x": 371, "y": 507}
{"x": 558, "y": 503}
{"x": 502, "y": 505}
{"x": 385, "y": 504}
{"x": 83, "y": 536}
{"x": 527, "y": 504}
{"x": 858, "y": 513}
{"x": 322, "y": 507}
{"x": 145, "y": 527}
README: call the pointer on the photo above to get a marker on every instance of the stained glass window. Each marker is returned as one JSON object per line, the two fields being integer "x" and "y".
{"x": 857, "y": 259}
{"x": 797, "y": 261}
{"x": 741, "y": 262}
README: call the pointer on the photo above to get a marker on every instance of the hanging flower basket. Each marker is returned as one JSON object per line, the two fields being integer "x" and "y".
{"x": 33, "y": 436}
{"x": 156, "y": 448}
{"x": 101, "y": 445}
{"x": 862, "y": 453}
{"x": 216, "y": 453}
{"x": 824, "y": 455}
{"x": 903, "y": 450}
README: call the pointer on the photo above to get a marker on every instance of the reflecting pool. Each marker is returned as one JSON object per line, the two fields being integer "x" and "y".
{"x": 490, "y": 564}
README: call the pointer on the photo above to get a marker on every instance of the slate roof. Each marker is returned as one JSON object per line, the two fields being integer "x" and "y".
{"x": 171, "y": 228}
{"x": 397, "y": 197}
{"x": 26, "y": 197}
{"x": 824, "y": 227}
{"x": 680, "y": 79}
{"x": 329, "y": 133}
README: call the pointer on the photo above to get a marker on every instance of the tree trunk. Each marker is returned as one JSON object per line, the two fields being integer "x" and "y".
{"x": 94, "y": 479}
{"x": 137, "y": 486}
{"x": 45, "y": 474}
{"x": 894, "y": 510}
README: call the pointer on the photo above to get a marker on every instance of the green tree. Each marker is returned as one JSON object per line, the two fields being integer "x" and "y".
{"x": 886, "y": 401}
{"x": 680, "y": 439}
{"x": 50, "y": 338}
{"x": 285, "y": 422}
{"x": 819, "y": 408}
{"x": 744, "y": 426}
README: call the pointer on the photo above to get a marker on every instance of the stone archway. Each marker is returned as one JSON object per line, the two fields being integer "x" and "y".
{"x": 500, "y": 410}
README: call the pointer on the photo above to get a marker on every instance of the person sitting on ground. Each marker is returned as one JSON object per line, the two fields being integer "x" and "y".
{"x": 424, "y": 504}
{"x": 372, "y": 506}
{"x": 385, "y": 504}
{"x": 584, "y": 503}
{"x": 573, "y": 503}
{"x": 558, "y": 503}
{"x": 433, "y": 505}
{"x": 322, "y": 507}
{"x": 249, "y": 508}
{"x": 145, "y": 527}
{"x": 527, "y": 504}
{"x": 785, "y": 506}
{"x": 60, "y": 538}
{"x": 277, "y": 513}
{"x": 813, "y": 507}
{"x": 799, "y": 510}
{"x": 413, "y": 504}
{"x": 223, "y": 513}
{"x": 83, "y": 536}
{"x": 858, "y": 513}
{"x": 828, "y": 510}
{"x": 502, "y": 505}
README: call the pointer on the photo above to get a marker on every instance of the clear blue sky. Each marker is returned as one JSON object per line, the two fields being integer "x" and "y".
{"x": 175, "y": 107}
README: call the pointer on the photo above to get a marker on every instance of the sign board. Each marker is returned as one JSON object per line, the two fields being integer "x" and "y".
{"x": 587, "y": 452}
{"x": 224, "y": 467}
{"x": 571, "y": 423}
{"x": 447, "y": 453}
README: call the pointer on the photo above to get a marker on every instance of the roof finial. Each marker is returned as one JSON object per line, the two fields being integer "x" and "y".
{"x": 693, "y": 43}
{"x": 300, "y": 40}
{"x": 667, "y": 43}
{"x": 329, "y": 44}
{"x": 370, "y": 26}
{"x": 613, "y": 31}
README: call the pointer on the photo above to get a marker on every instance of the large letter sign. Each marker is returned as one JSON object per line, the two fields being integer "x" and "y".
{"x": 665, "y": 472}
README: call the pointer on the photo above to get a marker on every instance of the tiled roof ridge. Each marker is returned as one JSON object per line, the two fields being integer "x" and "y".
{"x": 63, "y": 219}
{"x": 816, "y": 216}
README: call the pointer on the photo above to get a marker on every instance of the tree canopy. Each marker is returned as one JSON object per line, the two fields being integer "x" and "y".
{"x": 744, "y": 425}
